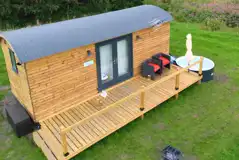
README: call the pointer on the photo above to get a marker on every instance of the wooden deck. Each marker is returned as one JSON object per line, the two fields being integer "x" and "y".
{"x": 77, "y": 128}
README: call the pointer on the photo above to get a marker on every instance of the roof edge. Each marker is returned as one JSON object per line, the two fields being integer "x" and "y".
{"x": 12, "y": 48}
{"x": 12, "y": 36}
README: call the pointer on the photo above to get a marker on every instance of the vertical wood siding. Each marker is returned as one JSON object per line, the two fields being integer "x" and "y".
{"x": 18, "y": 81}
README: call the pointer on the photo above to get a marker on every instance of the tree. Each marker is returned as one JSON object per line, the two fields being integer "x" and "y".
{"x": 20, "y": 13}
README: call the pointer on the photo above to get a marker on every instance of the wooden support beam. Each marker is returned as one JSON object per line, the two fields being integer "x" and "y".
{"x": 177, "y": 82}
{"x": 200, "y": 66}
{"x": 200, "y": 69}
{"x": 199, "y": 82}
{"x": 142, "y": 102}
{"x": 142, "y": 116}
{"x": 64, "y": 142}
{"x": 176, "y": 96}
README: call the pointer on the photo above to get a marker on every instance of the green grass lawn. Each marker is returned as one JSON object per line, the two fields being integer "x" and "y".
{"x": 3, "y": 72}
{"x": 202, "y": 123}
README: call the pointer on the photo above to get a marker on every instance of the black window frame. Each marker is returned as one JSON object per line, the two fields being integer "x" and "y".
{"x": 13, "y": 61}
{"x": 117, "y": 79}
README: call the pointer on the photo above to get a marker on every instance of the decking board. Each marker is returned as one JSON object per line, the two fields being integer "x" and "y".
{"x": 98, "y": 127}
{"x": 41, "y": 144}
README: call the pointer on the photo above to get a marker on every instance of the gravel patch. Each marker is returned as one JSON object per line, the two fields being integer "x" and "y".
{"x": 4, "y": 88}
{"x": 222, "y": 78}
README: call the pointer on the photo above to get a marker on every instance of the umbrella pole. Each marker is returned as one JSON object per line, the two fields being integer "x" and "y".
{"x": 188, "y": 65}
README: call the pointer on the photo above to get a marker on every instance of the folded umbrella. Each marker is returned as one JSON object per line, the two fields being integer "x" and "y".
{"x": 189, "y": 53}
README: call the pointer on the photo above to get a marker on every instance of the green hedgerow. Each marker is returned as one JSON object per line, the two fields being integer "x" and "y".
{"x": 212, "y": 24}
{"x": 232, "y": 20}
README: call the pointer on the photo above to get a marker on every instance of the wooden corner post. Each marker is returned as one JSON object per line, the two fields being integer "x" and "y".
{"x": 142, "y": 101}
{"x": 177, "y": 84}
{"x": 200, "y": 69}
{"x": 64, "y": 142}
{"x": 200, "y": 66}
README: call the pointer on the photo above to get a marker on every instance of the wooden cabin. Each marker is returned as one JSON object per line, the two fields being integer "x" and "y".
{"x": 58, "y": 71}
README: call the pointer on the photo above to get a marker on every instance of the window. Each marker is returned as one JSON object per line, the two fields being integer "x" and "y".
{"x": 13, "y": 61}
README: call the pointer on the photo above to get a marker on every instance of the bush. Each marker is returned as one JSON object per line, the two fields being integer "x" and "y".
{"x": 212, "y": 24}
{"x": 166, "y": 1}
{"x": 204, "y": 14}
{"x": 190, "y": 13}
{"x": 232, "y": 20}
{"x": 182, "y": 15}
{"x": 197, "y": 13}
{"x": 164, "y": 6}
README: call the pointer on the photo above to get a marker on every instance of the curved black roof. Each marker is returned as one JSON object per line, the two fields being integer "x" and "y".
{"x": 40, "y": 41}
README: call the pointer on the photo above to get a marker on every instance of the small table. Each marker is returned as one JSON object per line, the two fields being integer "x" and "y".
{"x": 207, "y": 68}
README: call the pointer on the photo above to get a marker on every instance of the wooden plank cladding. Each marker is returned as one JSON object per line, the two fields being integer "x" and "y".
{"x": 18, "y": 81}
{"x": 93, "y": 122}
{"x": 50, "y": 84}
{"x": 61, "y": 80}
{"x": 152, "y": 41}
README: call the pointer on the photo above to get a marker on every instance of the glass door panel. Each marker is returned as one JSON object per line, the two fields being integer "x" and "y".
{"x": 114, "y": 61}
{"x": 106, "y": 63}
{"x": 123, "y": 57}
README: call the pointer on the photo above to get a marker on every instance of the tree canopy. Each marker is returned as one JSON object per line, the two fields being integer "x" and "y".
{"x": 21, "y": 13}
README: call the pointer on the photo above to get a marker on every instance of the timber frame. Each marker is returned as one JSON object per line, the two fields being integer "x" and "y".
{"x": 53, "y": 83}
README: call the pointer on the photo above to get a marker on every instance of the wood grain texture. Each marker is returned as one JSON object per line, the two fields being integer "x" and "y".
{"x": 18, "y": 81}
{"x": 102, "y": 125}
{"x": 41, "y": 144}
{"x": 48, "y": 85}
{"x": 153, "y": 40}
{"x": 61, "y": 80}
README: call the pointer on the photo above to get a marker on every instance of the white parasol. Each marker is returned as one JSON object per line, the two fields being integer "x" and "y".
{"x": 189, "y": 53}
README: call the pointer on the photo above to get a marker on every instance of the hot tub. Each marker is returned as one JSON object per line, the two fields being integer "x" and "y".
{"x": 207, "y": 68}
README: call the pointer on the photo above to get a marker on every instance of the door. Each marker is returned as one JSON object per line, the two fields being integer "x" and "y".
{"x": 114, "y": 61}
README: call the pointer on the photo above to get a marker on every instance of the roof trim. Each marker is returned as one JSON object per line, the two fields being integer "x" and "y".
{"x": 40, "y": 41}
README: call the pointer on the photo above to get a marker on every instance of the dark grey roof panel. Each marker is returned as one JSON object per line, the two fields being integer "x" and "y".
{"x": 37, "y": 42}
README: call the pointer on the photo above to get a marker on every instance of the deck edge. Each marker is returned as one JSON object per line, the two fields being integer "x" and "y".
{"x": 38, "y": 140}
